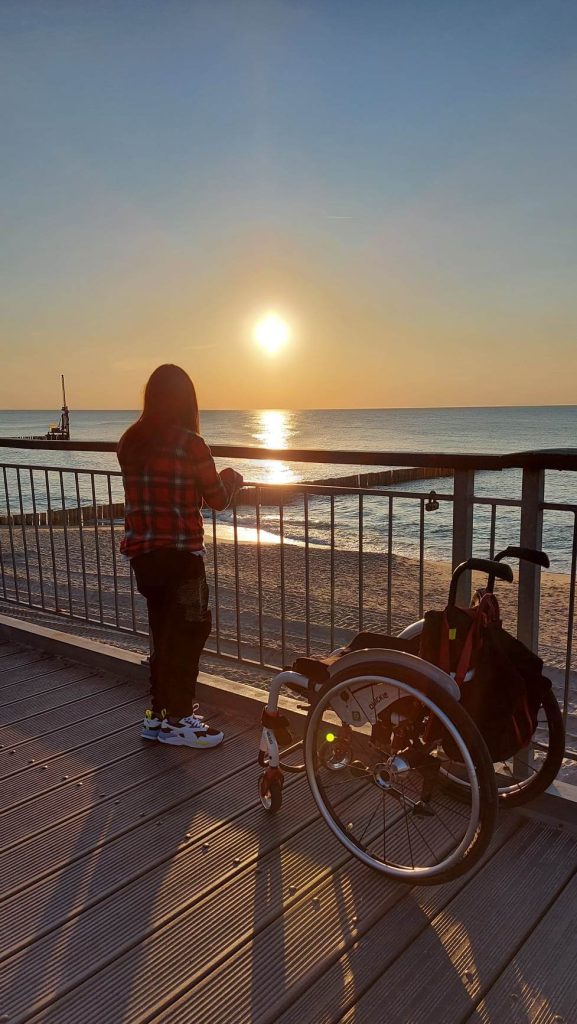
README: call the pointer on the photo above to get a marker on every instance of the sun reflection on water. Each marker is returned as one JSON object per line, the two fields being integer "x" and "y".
{"x": 273, "y": 428}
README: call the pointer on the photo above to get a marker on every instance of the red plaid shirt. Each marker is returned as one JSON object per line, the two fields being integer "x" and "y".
{"x": 163, "y": 499}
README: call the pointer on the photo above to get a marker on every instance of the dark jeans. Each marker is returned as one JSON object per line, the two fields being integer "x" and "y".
{"x": 174, "y": 585}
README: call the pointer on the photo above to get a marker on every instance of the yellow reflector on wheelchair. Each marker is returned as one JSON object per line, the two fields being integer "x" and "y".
{"x": 330, "y": 737}
{"x": 452, "y": 634}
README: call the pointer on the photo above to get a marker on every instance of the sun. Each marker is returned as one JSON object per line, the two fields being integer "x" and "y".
{"x": 271, "y": 333}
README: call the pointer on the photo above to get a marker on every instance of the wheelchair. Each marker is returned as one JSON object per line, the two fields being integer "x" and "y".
{"x": 398, "y": 769}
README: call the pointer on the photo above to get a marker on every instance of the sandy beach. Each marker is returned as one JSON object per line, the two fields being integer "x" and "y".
{"x": 345, "y": 593}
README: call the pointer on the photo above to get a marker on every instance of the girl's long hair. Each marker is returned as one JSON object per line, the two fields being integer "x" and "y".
{"x": 169, "y": 401}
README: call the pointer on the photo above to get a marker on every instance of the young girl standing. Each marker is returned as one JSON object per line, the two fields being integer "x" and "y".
{"x": 168, "y": 473}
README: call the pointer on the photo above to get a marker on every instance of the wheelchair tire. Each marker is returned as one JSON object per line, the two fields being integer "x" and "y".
{"x": 270, "y": 793}
{"x": 371, "y": 785}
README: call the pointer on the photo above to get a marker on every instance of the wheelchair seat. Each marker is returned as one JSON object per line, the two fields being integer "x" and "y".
{"x": 316, "y": 670}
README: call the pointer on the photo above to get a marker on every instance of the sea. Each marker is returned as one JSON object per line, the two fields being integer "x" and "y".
{"x": 486, "y": 430}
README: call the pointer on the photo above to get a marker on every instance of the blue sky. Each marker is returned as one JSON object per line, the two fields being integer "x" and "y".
{"x": 395, "y": 179}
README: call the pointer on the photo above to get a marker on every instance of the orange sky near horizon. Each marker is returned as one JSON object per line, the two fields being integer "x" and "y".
{"x": 406, "y": 347}
{"x": 397, "y": 186}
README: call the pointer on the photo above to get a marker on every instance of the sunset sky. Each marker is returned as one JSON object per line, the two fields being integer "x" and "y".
{"x": 393, "y": 180}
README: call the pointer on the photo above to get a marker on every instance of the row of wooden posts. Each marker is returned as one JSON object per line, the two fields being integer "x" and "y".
{"x": 248, "y": 496}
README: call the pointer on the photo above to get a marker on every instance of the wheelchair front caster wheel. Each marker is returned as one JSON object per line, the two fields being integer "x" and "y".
{"x": 270, "y": 792}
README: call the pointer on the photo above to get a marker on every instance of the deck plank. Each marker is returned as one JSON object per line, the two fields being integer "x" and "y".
{"x": 186, "y": 875}
{"x": 20, "y": 663}
{"x": 196, "y": 938}
{"x": 382, "y": 927}
{"x": 268, "y": 974}
{"x": 140, "y": 884}
{"x": 7, "y": 647}
{"x": 191, "y": 938}
{"x": 538, "y": 985}
{"x": 47, "y": 727}
{"x": 470, "y": 943}
{"x": 116, "y": 776}
{"x": 68, "y": 740}
{"x": 45, "y": 905}
{"x": 74, "y": 765}
{"x": 50, "y": 676}
{"x": 86, "y": 683}
{"x": 115, "y": 741}
{"x": 84, "y": 829}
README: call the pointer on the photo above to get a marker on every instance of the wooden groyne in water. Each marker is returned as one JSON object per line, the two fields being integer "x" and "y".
{"x": 269, "y": 495}
{"x": 388, "y": 476}
{"x": 66, "y": 516}
{"x": 384, "y": 478}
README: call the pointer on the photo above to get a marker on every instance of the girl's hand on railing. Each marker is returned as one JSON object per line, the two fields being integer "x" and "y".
{"x": 232, "y": 480}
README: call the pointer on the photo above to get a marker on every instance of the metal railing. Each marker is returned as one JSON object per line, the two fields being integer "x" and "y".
{"x": 296, "y": 567}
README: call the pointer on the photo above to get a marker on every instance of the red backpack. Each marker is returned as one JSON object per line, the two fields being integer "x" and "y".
{"x": 500, "y": 680}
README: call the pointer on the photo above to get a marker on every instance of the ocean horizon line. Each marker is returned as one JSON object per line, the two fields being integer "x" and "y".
{"x": 278, "y": 408}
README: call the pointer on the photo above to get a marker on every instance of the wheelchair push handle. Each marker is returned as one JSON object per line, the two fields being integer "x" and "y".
{"x": 525, "y": 555}
{"x": 493, "y": 568}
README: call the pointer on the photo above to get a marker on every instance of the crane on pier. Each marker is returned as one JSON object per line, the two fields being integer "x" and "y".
{"x": 56, "y": 431}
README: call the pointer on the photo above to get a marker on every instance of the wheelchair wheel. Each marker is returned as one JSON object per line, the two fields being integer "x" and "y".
{"x": 525, "y": 776}
{"x": 270, "y": 792}
{"x": 381, "y": 792}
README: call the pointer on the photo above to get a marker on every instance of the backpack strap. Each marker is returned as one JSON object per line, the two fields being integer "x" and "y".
{"x": 467, "y": 652}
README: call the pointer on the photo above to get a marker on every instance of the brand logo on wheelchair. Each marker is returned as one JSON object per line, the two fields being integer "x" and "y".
{"x": 382, "y": 696}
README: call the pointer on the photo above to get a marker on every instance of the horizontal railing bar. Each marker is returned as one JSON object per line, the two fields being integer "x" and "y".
{"x": 330, "y": 489}
{"x": 552, "y": 506}
{"x": 549, "y": 458}
{"x": 506, "y": 502}
{"x": 61, "y": 469}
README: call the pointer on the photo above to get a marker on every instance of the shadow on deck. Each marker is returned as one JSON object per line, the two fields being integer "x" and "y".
{"x": 144, "y": 883}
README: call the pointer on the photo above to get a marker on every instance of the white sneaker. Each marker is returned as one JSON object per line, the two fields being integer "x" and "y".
{"x": 191, "y": 731}
{"x": 150, "y": 726}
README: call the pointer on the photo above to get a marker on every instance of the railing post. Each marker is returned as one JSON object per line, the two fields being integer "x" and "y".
{"x": 463, "y": 492}
{"x": 531, "y": 536}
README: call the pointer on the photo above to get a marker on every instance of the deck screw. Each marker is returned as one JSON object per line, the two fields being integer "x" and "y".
{"x": 292, "y": 889}
{"x": 469, "y": 977}
{"x": 236, "y": 861}
{"x": 316, "y": 901}
{"x": 79, "y": 783}
{"x": 65, "y": 778}
{"x": 12, "y": 751}
{"x": 44, "y": 767}
{"x": 205, "y": 846}
{"x": 32, "y": 761}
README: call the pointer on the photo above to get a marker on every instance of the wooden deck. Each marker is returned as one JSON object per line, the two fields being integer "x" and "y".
{"x": 140, "y": 883}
